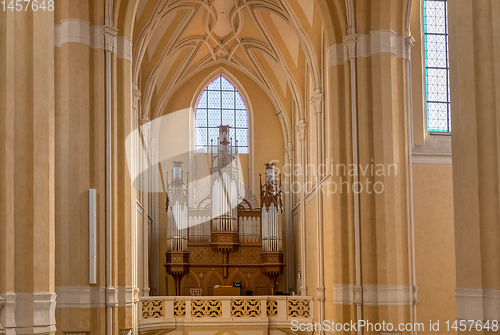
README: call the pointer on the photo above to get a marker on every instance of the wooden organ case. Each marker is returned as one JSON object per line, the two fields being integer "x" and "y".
{"x": 223, "y": 242}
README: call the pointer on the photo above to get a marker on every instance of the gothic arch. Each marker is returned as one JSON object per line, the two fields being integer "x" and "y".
{"x": 236, "y": 83}
{"x": 244, "y": 281}
{"x": 213, "y": 278}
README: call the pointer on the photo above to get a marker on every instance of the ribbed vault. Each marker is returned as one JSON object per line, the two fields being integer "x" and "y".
{"x": 278, "y": 43}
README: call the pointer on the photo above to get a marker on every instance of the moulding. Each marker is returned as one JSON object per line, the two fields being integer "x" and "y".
{"x": 435, "y": 150}
{"x": 81, "y": 297}
{"x": 1, "y": 327}
{"x": 28, "y": 313}
{"x": 95, "y": 296}
{"x": 432, "y": 159}
{"x": 374, "y": 295}
{"x": 477, "y": 304}
{"x": 387, "y": 295}
{"x": 376, "y": 42}
{"x": 80, "y": 31}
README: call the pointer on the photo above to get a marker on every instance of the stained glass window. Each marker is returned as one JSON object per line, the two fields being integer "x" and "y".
{"x": 221, "y": 104}
{"x": 437, "y": 70}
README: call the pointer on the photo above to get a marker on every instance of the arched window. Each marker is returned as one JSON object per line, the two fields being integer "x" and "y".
{"x": 221, "y": 104}
{"x": 437, "y": 66}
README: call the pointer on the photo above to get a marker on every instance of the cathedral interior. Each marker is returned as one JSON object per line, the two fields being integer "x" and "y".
{"x": 249, "y": 167}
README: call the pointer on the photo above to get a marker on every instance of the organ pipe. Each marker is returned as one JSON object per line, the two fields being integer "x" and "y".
{"x": 177, "y": 208}
{"x": 271, "y": 202}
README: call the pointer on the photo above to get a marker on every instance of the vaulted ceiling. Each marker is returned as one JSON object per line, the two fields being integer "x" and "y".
{"x": 278, "y": 43}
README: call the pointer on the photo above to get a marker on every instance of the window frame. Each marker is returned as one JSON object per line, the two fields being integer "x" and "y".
{"x": 246, "y": 99}
{"x": 221, "y": 109}
{"x": 434, "y": 131}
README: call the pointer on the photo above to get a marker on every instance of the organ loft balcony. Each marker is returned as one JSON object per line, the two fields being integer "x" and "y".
{"x": 257, "y": 314}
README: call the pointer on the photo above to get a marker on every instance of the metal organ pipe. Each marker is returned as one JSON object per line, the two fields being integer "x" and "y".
{"x": 271, "y": 209}
{"x": 177, "y": 219}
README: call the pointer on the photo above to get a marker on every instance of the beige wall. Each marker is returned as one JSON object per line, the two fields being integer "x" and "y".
{"x": 434, "y": 242}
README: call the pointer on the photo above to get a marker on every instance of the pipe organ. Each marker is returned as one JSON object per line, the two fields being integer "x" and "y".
{"x": 221, "y": 241}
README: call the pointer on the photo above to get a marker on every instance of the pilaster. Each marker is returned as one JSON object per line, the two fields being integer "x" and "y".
{"x": 475, "y": 99}
{"x": 27, "y": 232}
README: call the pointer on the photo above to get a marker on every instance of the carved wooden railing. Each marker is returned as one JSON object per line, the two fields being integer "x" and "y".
{"x": 163, "y": 313}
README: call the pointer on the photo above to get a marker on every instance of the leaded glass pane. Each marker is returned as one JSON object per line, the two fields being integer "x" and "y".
{"x": 201, "y": 118}
{"x": 437, "y": 85}
{"x": 435, "y": 119}
{"x": 202, "y": 102}
{"x": 239, "y": 104}
{"x": 226, "y": 85}
{"x": 241, "y": 136}
{"x": 232, "y": 135}
{"x": 437, "y": 66}
{"x": 223, "y": 105}
{"x": 214, "y": 117}
{"x": 241, "y": 119}
{"x": 435, "y": 17}
{"x": 215, "y": 85}
{"x": 228, "y": 117}
{"x": 201, "y": 136}
{"x": 436, "y": 55}
{"x": 214, "y": 99}
{"x": 213, "y": 135}
{"x": 228, "y": 100}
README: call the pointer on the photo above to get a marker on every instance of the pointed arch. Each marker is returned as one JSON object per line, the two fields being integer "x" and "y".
{"x": 334, "y": 18}
{"x": 246, "y": 99}
{"x": 213, "y": 278}
{"x": 220, "y": 103}
{"x": 243, "y": 280}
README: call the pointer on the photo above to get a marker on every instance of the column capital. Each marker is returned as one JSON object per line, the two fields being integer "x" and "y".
{"x": 316, "y": 100}
{"x": 415, "y": 300}
{"x": 289, "y": 149}
{"x": 136, "y": 93}
{"x": 111, "y": 296}
{"x": 350, "y": 45}
{"x": 136, "y": 97}
{"x": 145, "y": 125}
{"x": 110, "y": 35}
{"x": 301, "y": 129}
{"x": 409, "y": 44}
{"x": 135, "y": 294}
{"x": 357, "y": 291}
{"x": 144, "y": 119}
{"x": 320, "y": 293}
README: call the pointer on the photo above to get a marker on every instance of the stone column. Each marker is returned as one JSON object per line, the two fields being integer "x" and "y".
{"x": 386, "y": 291}
{"x": 290, "y": 270}
{"x": 27, "y": 248}
{"x": 317, "y": 103}
{"x": 123, "y": 208}
{"x": 145, "y": 129}
{"x": 301, "y": 132}
{"x": 474, "y": 48}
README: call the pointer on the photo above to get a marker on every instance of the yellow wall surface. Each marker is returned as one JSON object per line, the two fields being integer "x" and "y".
{"x": 434, "y": 242}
